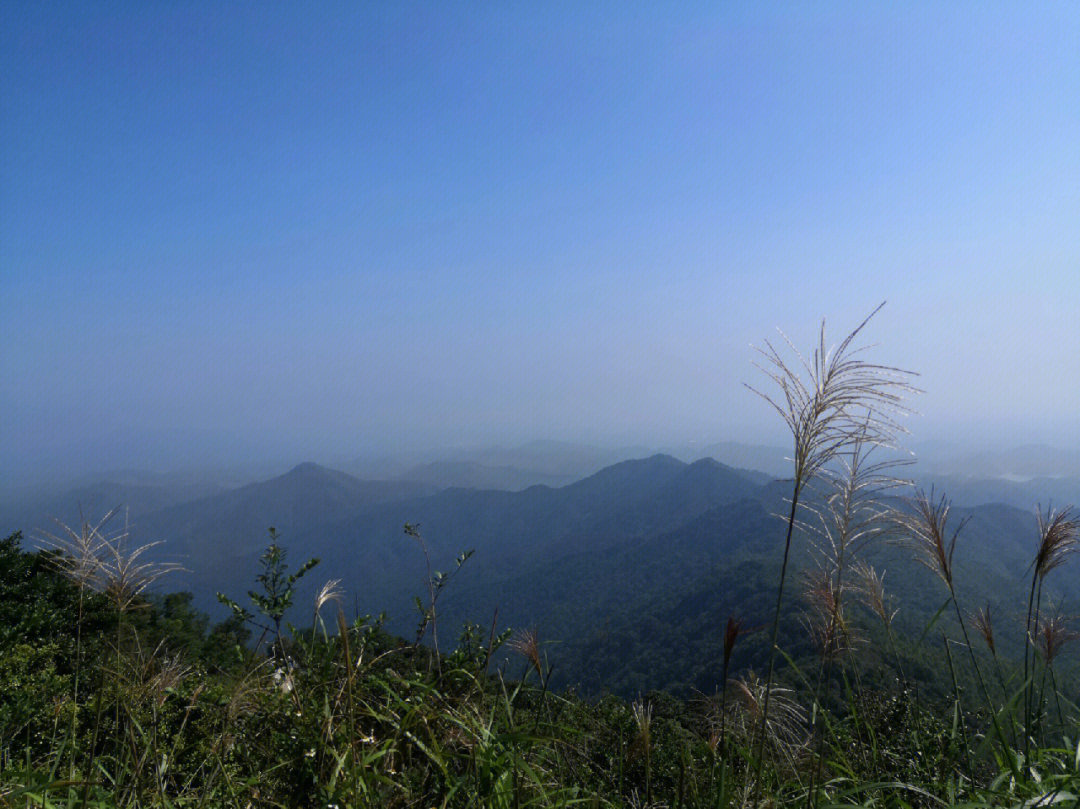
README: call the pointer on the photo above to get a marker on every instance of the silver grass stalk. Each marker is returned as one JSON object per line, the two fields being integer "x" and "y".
{"x": 330, "y": 591}
{"x": 102, "y": 561}
{"x": 828, "y": 402}
{"x": 849, "y": 519}
{"x": 785, "y": 728}
{"x": 869, "y": 588}
{"x": 924, "y": 524}
{"x": 79, "y": 552}
{"x": 1059, "y": 533}
{"x": 123, "y": 577}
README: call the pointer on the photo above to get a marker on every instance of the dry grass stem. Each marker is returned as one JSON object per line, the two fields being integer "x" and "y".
{"x": 869, "y": 589}
{"x": 833, "y": 395}
{"x": 526, "y": 644}
{"x": 981, "y": 622}
{"x": 924, "y": 524}
{"x": 1053, "y": 632}
{"x": 102, "y": 561}
{"x": 824, "y": 618}
{"x": 1059, "y": 534}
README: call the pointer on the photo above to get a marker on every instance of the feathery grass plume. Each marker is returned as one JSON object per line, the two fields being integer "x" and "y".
{"x": 642, "y": 742}
{"x": 122, "y": 577}
{"x": 145, "y": 679}
{"x": 79, "y": 551}
{"x": 1053, "y": 632}
{"x": 170, "y": 673}
{"x": 103, "y": 561}
{"x": 851, "y": 516}
{"x": 869, "y": 589}
{"x": 247, "y": 690}
{"x": 824, "y": 618}
{"x": 330, "y": 591}
{"x": 828, "y": 403}
{"x": 715, "y": 737}
{"x": 77, "y": 555}
{"x": 824, "y": 401}
{"x": 924, "y": 525}
{"x": 526, "y": 644}
{"x": 983, "y": 624}
{"x": 731, "y": 634}
{"x": 1059, "y": 534}
{"x": 786, "y": 724}
{"x": 153, "y": 673}
{"x": 1058, "y": 537}
{"x": 642, "y": 713}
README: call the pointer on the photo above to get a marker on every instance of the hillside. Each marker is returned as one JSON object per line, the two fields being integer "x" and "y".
{"x": 627, "y": 571}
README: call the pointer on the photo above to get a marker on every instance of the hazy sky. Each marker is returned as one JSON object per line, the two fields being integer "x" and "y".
{"x": 310, "y": 229}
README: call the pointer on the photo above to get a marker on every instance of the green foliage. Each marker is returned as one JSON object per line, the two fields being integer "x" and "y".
{"x": 278, "y": 588}
{"x": 39, "y": 605}
{"x": 35, "y": 699}
{"x": 183, "y": 713}
{"x": 137, "y": 701}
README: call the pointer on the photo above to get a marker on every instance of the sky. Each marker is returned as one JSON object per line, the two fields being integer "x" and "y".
{"x": 311, "y": 230}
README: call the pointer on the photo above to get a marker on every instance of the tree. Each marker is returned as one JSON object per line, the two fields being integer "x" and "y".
{"x": 278, "y": 587}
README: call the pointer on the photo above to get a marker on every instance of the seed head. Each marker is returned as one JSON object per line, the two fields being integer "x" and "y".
{"x": 525, "y": 643}
{"x": 924, "y": 524}
{"x": 1059, "y": 532}
{"x": 981, "y": 622}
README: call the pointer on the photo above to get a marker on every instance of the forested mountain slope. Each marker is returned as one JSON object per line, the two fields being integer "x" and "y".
{"x": 629, "y": 573}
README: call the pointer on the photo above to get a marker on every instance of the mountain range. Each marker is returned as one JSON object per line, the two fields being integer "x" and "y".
{"x": 629, "y": 572}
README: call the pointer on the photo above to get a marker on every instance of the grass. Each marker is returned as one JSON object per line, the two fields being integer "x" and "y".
{"x": 108, "y": 699}
{"x": 358, "y": 718}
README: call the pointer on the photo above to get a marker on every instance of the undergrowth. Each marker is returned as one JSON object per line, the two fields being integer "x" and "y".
{"x": 113, "y": 698}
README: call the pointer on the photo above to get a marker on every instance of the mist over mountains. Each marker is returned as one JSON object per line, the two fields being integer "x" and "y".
{"x": 606, "y": 563}
{"x": 1021, "y": 476}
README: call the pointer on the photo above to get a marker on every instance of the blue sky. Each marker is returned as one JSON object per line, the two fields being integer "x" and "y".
{"x": 304, "y": 230}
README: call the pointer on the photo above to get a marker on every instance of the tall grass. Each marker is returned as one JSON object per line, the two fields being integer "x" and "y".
{"x": 341, "y": 714}
{"x": 361, "y": 719}
{"x": 830, "y": 403}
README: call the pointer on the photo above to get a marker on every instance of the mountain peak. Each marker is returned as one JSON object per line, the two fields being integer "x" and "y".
{"x": 308, "y": 469}
{"x": 309, "y": 473}
{"x": 660, "y": 460}
{"x": 708, "y": 463}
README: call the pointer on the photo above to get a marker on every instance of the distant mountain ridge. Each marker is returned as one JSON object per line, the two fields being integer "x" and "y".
{"x": 93, "y": 500}
{"x": 356, "y": 526}
{"x": 632, "y": 569}
{"x": 1026, "y": 495}
{"x": 1020, "y": 463}
{"x": 235, "y": 523}
{"x": 473, "y": 475}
